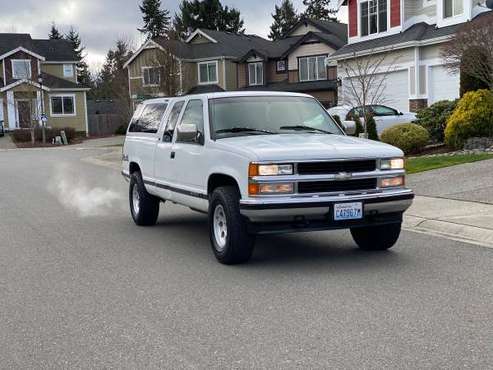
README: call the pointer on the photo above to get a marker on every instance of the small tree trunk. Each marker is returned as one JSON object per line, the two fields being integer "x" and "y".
{"x": 33, "y": 137}
{"x": 43, "y": 132}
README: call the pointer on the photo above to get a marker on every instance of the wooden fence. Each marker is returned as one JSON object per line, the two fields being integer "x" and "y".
{"x": 105, "y": 124}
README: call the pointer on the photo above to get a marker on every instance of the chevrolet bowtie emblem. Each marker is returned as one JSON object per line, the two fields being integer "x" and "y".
{"x": 343, "y": 176}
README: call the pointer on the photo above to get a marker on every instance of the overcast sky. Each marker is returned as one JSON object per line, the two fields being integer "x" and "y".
{"x": 102, "y": 22}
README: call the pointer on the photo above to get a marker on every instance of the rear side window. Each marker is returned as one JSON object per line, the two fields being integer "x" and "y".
{"x": 149, "y": 119}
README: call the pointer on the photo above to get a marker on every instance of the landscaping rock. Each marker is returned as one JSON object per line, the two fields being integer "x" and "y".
{"x": 479, "y": 143}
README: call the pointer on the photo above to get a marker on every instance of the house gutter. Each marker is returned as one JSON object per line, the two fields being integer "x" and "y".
{"x": 405, "y": 45}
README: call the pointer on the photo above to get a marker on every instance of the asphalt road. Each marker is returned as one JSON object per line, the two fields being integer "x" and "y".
{"x": 471, "y": 182}
{"x": 82, "y": 286}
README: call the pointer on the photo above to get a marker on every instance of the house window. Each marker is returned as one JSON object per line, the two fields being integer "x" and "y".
{"x": 62, "y": 105}
{"x": 452, "y": 8}
{"x": 313, "y": 68}
{"x": 208, "y": 73}
{"x": 152, "y": 76}
{"x": 255, "y": 73}
{"x": 281, "y": 66}
{"x": 68, "y": 70}
{"x": 21, "y": 68}
{"x": 373, "y": 15}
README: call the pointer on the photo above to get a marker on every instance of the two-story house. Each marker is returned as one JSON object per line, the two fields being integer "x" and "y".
{"x": 215, "y": 61}
{"x": 39, "y": 77}
{"x": 411, "y": 33}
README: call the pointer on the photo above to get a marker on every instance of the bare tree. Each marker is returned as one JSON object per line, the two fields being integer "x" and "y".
{"x": 365, "y": 80}
{"x": 470, "y": 50}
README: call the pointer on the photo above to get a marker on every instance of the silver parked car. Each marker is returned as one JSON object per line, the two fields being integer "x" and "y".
{"x": 384, "y": 116}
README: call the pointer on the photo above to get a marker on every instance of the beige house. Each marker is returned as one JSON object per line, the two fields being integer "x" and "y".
{"x": 215, "y": 61}
{"x": 38, "y": 81}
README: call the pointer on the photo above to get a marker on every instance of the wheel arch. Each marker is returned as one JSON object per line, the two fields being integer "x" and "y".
{"x": 220, "y": 179}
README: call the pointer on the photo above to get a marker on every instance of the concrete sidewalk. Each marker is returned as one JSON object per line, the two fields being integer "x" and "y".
{"x": 465, "y": 221}
{"x": 6, "y": 142}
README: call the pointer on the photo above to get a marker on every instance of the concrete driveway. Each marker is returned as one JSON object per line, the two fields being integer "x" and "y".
{"x": 82, "y": 287}
{"x": 471, "y": 182}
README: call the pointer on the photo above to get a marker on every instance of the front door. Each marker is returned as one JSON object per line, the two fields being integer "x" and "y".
{"x": 24, "y": 112}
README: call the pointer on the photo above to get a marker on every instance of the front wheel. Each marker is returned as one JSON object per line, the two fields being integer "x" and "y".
{"x": 230, "y": 240}
{"x": 376, "y": 238}
{"x": 143, "y": 206}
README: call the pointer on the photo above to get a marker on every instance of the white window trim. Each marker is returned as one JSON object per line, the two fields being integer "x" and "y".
{"x": 308, "y": 72}
{"x": 378, "y": 18}
{"x": 143, "y": 76}
{"x": 21, "y": 60}
{"x": 71, "y": 67}
{"x": 453, "y": 16}
{"x": 217, "y": 73}
{"x": 257, "y": 82}
{"x": 62, "y": 96}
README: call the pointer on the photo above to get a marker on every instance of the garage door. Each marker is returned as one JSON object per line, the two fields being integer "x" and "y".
{"x": 443, "y": 85}
{"x": 395, "y": 94}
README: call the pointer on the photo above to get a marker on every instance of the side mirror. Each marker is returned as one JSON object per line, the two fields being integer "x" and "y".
{"x": 349, "y": 127}
{"x": 400, "y": 113}
{"x": 187, "y": 133}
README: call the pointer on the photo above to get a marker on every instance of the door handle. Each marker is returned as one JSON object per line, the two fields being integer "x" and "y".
{"x": 172, "y": 155}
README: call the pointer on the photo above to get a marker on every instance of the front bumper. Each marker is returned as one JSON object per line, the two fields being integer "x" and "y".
{"x": 316, "y": 212}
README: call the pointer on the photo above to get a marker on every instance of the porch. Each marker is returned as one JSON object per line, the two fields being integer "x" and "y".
{"x": 20, "y": 108}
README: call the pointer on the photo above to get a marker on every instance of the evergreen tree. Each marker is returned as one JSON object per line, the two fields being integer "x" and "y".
{"x": 319, "y": 9}
{"x": 285, "y": 17}
{"x": 54, "y": 33}
{"x": 207, "y": 14}
{"x": 83, "y": 74}
{"x": 156, "y": 20}
{"x": 371, "y": 128}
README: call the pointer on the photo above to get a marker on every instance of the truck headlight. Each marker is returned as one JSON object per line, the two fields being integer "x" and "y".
{"x": 269, "y": 169}
{"x": 392, "y": 164}
{"x": 392, "y": 182}
{"x": 270, "y": 189}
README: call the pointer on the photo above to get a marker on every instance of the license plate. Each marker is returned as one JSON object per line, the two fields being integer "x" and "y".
{"x": 348, "y": 211}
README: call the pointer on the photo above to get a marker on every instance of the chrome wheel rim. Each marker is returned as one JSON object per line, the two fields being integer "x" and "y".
{"x": 220, "y": 228}
{"x": 135, "y": 199}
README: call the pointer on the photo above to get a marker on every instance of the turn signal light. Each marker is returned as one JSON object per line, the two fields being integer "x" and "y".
{"x": 270, "y": 189}
{"x": 392, "y": 182}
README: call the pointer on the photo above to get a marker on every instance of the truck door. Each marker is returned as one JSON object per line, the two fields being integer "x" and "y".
{"x": 162, "y": 155}
{"x": 189, "y": 168}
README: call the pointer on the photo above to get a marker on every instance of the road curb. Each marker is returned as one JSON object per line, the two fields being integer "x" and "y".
{"x": 459, "y": 232}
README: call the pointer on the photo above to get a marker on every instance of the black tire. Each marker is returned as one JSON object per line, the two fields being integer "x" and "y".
{"x": 237, "y": 246}
{"x": 147, "y": 212}
{"x": 376, "y": 238}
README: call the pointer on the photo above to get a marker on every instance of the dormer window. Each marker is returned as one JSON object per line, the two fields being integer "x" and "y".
{"x": 373, "y": 17}
{"x": 452, "y": 8}
{"x": 21, "y": 69}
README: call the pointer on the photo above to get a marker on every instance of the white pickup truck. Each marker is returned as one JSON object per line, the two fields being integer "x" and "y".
{"x": 262, "y": 162}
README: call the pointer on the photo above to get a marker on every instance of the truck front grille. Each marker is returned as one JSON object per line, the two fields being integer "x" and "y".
{"x": 322, "y": 168}
{"x": 336, "y": 186}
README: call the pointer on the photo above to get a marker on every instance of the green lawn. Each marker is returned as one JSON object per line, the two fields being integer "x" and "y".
{"x": 420, "y": 164}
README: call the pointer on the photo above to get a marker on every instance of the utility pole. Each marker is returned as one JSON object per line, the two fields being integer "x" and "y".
{"x": 43, "y": 118}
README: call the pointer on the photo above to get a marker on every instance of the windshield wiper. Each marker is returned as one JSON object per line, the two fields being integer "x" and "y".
{"x": 243, "y": 129}
{"x": 305, "y": 128}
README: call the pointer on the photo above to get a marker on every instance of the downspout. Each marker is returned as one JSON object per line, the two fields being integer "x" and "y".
{"x": 180, "y": 67}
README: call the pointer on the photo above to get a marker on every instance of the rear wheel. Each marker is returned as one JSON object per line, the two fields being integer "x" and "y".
{"x": 144, "y": 207}
{"x": 376, "y": 238}
{"x": 230, "y": 240}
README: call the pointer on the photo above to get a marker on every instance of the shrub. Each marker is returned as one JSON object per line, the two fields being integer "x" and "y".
{"x": 371, "y": 128}
{"x": 121, "y": 130}
{"x": 337, "y": 119}
{"x": 434, "y": 118}
{"x": 24, "y": 135}
{"x": 359, "y": 126}
{"x": 408, "y": 137}
{"x": 473, "y": 117}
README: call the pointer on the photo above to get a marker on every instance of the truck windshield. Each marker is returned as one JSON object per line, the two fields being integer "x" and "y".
{"x": 267, "y": 115}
